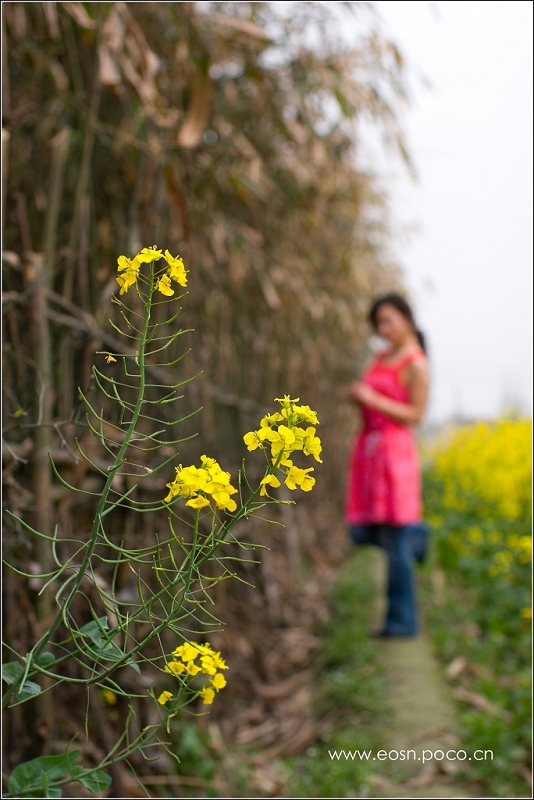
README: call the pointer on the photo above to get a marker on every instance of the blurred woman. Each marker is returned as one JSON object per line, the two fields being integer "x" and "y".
{"x": 383, "y": 505}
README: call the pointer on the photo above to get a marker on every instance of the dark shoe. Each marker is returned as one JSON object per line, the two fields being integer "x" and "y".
{"x": 386, "y": 635}
{"x": 382, "y": 634}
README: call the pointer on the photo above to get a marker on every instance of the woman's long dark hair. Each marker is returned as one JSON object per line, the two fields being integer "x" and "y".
{"x": 401, "y": 305}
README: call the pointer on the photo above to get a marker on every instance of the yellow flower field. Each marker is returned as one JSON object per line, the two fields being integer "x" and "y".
{"x": 477, "y": 492}
{"x": 490, "y": 461}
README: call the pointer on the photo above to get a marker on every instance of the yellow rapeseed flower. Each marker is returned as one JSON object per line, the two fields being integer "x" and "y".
{"x": 177, "y": 271}
{"x": 129, "y": 270}
{"x": 218, "y": 681}
{"x": 198, "y": 484}
{"x": 490, "y": 461}
{"x": 208, "y": 695}
{"x": 198, "y": 502}
{"x": 223, "y": 501}
{"x": 281, "y": 431}
{"x": 522, "y": 546}
{"x": 125, "y": 263}
{"x": 109, "y": 696}
{"x": 149, "y": 254}
{"x": 126, "y": 280}
{"x": 475, "y": 535}
{"x": 164, "y": 286}
{"x": 269, "y": 480}
{"x": 186, "y": 651}
{"x": 175, "y": 667}
{"x": 184, "y": 666}
{"x": 164, "y": 698}
{"x": 252, "y": 440}
{"x": 299, "y": 477}
{"x": 208, "y": 665}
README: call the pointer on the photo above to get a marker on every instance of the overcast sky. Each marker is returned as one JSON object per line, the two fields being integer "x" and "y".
{"x": 468, "y": 258}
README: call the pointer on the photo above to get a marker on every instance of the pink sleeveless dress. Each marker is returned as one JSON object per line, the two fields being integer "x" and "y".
{"x": 384, "y": 481}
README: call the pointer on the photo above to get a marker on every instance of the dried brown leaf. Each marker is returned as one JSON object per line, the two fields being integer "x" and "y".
{"x": 426, "y": 777}
{"x": 241, "y": 25}
{"x": 300, "y": 734}
{"x": 198, "y": 113}
{"x": 456, "y": 667}
{"x": 109, "y": 72}
{"x": 113, "y": 31}
{"x": 481, "y": 702}
{"x": 524, "y": 772}
{"x": 282, "y": 689}
{"x": 50, "y": 11}
{"x": 79, "y": 13}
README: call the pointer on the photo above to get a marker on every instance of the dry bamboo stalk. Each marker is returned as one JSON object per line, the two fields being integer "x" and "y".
{"x": 25, "y": 235}
{"x": 84, "y": 178}
{"x": 5, "y": 167}
{"x": 35, "y": 274}
{"x": 38, "y": 272}
{"x": 251, "y": 351}
{"x": 60, "y": 149}
{"x": 292, "y": 533}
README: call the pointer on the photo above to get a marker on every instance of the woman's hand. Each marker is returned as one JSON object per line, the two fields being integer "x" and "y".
{"x": 409, "y": 413}
{"x": 362, "y": 393}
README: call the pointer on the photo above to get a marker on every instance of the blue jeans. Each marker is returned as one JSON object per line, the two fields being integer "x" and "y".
{"x": 402, "y": 544}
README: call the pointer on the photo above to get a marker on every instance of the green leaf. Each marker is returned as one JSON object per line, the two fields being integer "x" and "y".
{"x": 49, "y": 791}
{"x": 45, "y": 659}
{"x": 96, "y": 782}
{"x": 11, "y": 670}
{"x": 134, "y": 665}
{"x": 96, "y": 630}
{"x": 32, "y": 778}
{"x": 110, "y": 652}
{"x": 344, "y": 104}
{"x": 27, "y": 690}
{"x": 93, "y": 781}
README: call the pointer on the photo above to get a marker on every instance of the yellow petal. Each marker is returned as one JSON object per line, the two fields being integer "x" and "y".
{"x": 148, "y": 254}
{"x": 164, "y": 698}
{"x": 207, "y": 696}
{"x": 198, "y": 502}
{"x": 164, "y": 286}
{"x": 218, "y": 681}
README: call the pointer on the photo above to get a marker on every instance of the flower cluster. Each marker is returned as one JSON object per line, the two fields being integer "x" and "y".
{"x": 185, "y": 664}
{"x": 282, "y": 431}
{"x": 129, "y": 269}
{"x": 197, "y": 484}
{"x": 489, "y": 461}
{"x": 479, "y": 481}
{"x": 502, "y": 548}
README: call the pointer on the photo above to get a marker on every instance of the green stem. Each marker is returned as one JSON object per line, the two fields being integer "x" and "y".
{"x": 243, "y": 511}
{"x": 193, "y": 565}
{"x": 176, "y": 607}
{"x": 142, "y": 740}
{"x": 95, "y": 532}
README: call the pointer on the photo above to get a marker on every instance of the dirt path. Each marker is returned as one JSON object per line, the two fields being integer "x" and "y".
{"x": 424, "y": 715}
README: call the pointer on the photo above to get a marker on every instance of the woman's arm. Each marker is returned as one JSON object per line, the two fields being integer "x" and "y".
{"x": 409, "y": 413}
